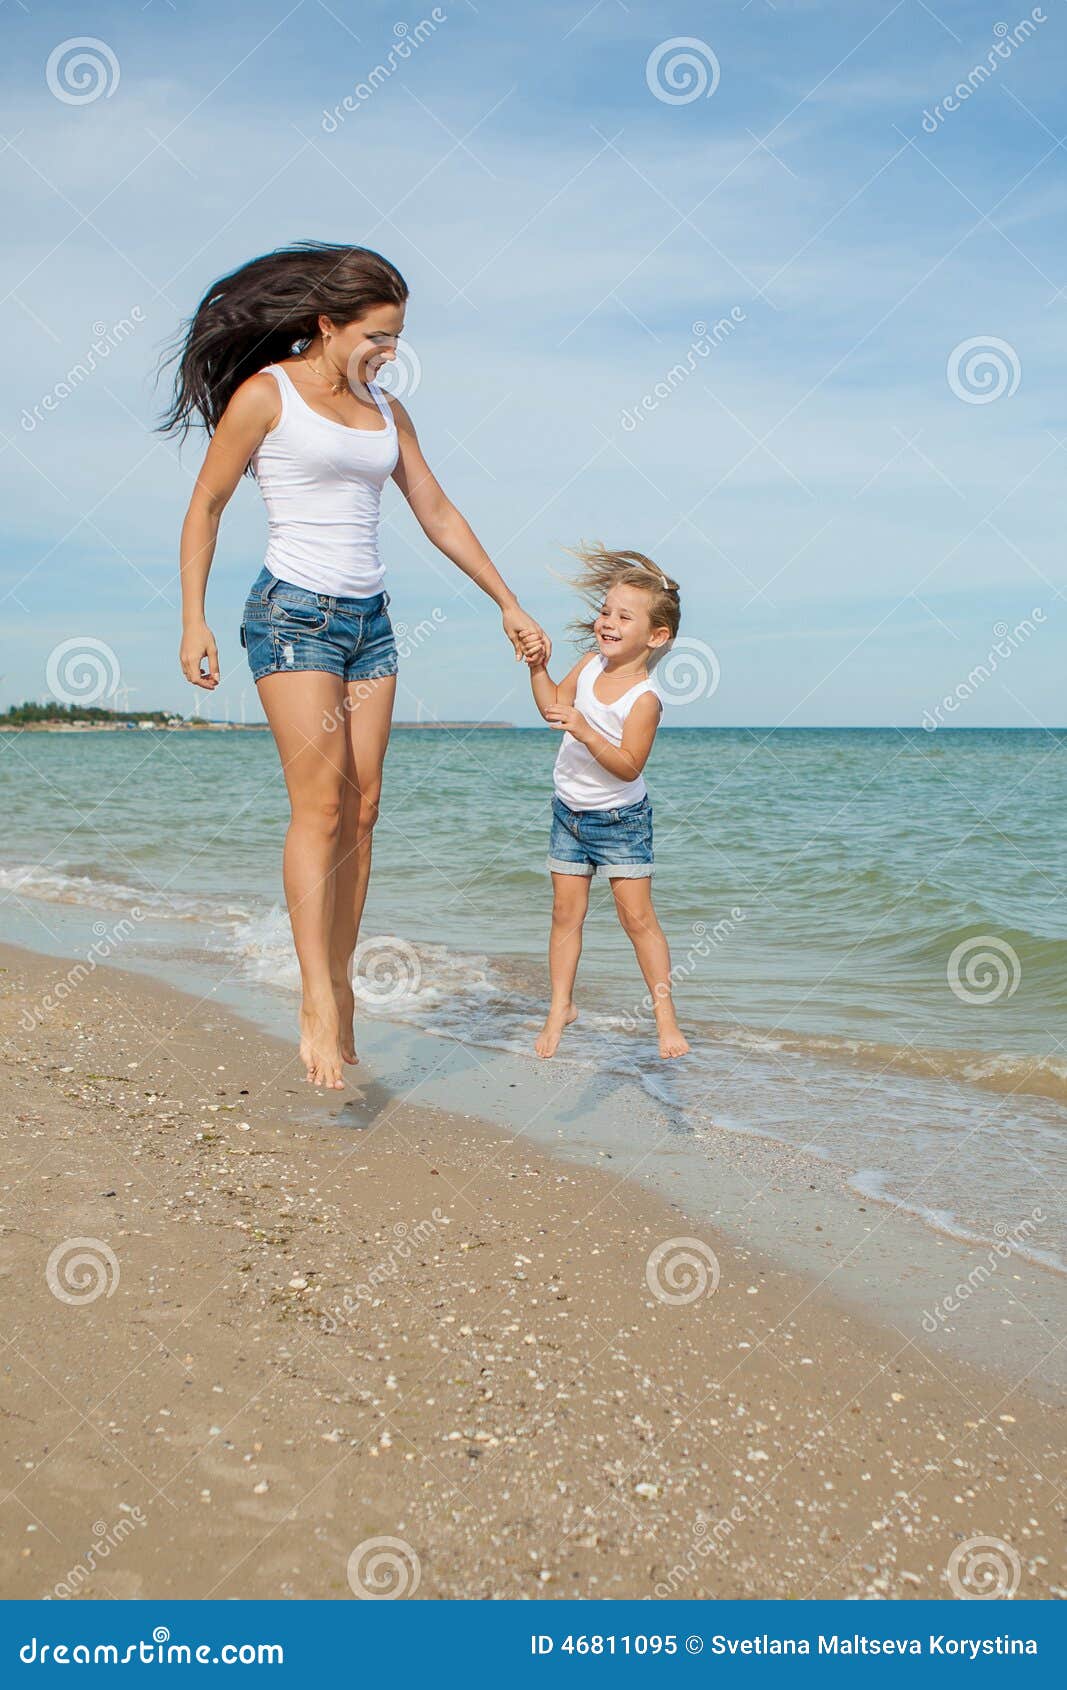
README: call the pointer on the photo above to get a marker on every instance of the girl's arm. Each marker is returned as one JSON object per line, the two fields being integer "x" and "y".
{"x": 549, "y": 695}
{"x": 251, "y": 413}
{"x": 452, "y": 534}
{"x": 626, "y": 760}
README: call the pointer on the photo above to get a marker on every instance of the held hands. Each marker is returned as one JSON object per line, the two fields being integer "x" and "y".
{"x": 536, "y": 648}
{"x": 532, "y": 644}
{"x": 198, "y": 645}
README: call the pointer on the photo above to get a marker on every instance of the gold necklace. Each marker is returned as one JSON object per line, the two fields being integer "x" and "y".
{"x": 333, "y": 387}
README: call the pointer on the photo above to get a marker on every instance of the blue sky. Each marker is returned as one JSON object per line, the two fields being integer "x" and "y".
{"x": 849, "y": 526}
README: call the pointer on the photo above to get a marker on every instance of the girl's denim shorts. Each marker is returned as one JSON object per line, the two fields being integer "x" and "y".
{"x": 615, "y": 843}
{"x": 286, "y": 627}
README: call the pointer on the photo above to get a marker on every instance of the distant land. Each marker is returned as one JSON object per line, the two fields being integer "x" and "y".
{"x": 79, "y": 718}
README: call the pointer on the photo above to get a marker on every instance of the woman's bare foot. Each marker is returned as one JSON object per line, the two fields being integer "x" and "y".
{"x": 548, "y": 1038}
{"x": 672, "y": 1041}
{"x": 320, "y": 1046}
{"x": 344, "y": 997}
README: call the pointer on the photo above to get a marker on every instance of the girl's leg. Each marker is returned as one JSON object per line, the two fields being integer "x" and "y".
{"x": 300, "y": 707}
{"x": 633, "y": 901}
{"x": 368, "y": 718}
{"x": 570, "y": 901}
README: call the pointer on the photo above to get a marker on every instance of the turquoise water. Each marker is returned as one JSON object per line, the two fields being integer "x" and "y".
{"x": 819, "y": 888}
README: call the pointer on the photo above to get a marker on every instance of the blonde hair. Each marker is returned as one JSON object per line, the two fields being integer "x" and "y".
{"x": 601, "y": 570}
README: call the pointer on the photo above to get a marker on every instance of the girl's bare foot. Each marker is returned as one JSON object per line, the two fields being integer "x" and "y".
{"x": 344, "y": 997}
{"x": 672, "y": 1041}
{"x": 320, "y": 1046}
{"x": 548, "y": 1038}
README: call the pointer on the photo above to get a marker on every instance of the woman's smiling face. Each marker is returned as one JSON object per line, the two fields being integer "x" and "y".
{"x": 364, "y": 345}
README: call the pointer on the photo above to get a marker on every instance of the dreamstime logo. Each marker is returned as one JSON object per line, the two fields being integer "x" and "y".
{"x": 701, "y": 346}
{"x": 409, "y": 639}
{"x": 408, "y": 1240}
{"x": 82, "y": 1269}
{"x": 688, "y": 670}
{"x": 81, "y": 69}
{"x": 82, "y": 671}
{"x": 682, "y": 70}
{"x": 1007, "y": 1242}
{"x": 1006, "y": 641}
{"x": 984, "y": 969}
{"x": 387, "y": 970}
{"x": 383, "y": 1569}
{"x": 160, "y": 1651}
{"x": 698, "y": 952}
{"x": 681, "y": 1270}
{"x": 106, "y": 942}
{"x": 105, "y": 339}
{"x": 982, "y": 369}
{"x": 333, "y": 718}
{"x": 710, "y": 1537}
{"x": 405, "y": 41}
{"x": 105, "y": 1539}
{"x": 1007, "y": 40}
{"x": 984, "y": 1569}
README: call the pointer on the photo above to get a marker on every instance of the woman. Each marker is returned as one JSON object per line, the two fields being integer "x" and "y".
{"x": 279, "y": 364}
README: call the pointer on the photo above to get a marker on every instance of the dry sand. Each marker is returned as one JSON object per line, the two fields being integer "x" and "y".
{"x": 325, "y": 1322}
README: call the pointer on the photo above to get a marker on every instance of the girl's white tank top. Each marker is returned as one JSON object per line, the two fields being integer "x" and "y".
{"x": 322, "y": 485}
{"x": 580, "y": 781}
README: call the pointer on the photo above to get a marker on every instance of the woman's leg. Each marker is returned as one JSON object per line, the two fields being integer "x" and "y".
{"x": 633, "y": 901}
{"x": 368, "y": 718}
{"x": 570, "y": 901}
{"x": 304, "y": 709}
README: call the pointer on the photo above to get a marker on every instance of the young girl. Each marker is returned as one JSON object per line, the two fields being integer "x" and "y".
{"x": 279, "y": 364}
{"x": 608, "y": 713}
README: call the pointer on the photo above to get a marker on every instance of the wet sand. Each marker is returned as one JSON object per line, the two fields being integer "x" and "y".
{"x": 297, "y": 1324}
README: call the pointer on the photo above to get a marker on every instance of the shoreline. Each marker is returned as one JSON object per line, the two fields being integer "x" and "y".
{"x": 787, "y": 1200}
{"x": 203, "y": 724}
{"x": 370, "y": 1315}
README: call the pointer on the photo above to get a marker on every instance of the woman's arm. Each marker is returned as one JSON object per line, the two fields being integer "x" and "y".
{"x": 252, "y": 413}
{"x": 453, "y": 535}
{"x": 626, "y": 760}
{"x": 550, "y": 695}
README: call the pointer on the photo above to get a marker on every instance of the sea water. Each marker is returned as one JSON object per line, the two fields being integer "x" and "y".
{"x": 868, "y": 927}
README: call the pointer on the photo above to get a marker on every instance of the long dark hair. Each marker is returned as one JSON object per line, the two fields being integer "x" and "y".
{"x": 259, "y": 313}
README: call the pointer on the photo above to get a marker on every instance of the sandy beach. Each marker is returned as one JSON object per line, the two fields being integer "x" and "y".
{"x": 301, "y": 1324}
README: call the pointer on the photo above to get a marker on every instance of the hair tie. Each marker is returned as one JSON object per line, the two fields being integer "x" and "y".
{"x": 667, "y": 588}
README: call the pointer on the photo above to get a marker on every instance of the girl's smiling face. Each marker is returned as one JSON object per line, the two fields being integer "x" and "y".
{"x": 624, "y": 628}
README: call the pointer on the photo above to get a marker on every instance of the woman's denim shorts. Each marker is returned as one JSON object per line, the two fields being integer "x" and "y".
{"x": 616, "y": 843}
{"x": 288, "y": 628}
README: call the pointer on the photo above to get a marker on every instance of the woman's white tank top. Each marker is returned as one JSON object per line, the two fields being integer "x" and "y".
{"x": 322, "y": 485}
{"x": 580, "y": 781}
